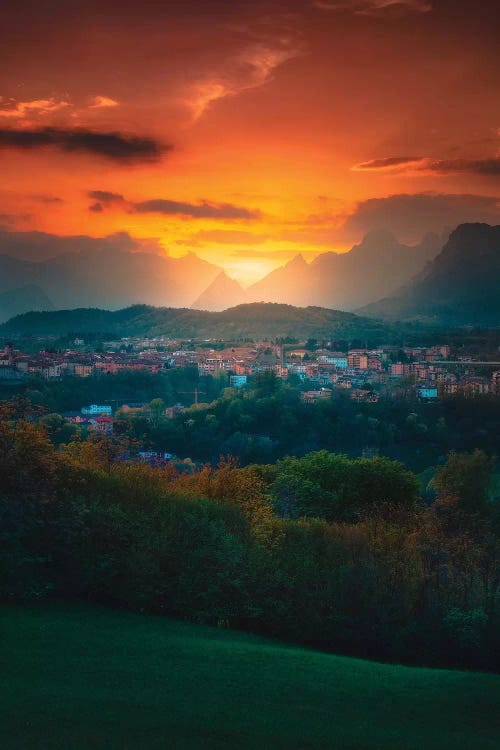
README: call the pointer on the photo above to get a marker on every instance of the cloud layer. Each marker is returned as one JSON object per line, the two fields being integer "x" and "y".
{"x": 119, "y": 147}
{"x": 164, "y": 206}
{"x": 410, "y": 216}
{"x": 389, "y": 162}
{"x": 251, "y": 68}
{"x": 368, "y": 7}
{"x": 487, "y": 167}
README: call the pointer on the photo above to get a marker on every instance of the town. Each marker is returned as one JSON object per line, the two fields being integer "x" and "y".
{"x": 318, "y": 369}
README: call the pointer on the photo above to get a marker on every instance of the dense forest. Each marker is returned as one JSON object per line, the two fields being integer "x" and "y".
{"x": 254, "y": 321}
{"x": 269, "y": 421}
{"x": 337, "y": 552}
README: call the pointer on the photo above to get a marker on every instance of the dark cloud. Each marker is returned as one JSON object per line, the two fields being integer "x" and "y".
{"x": 104, "y": 196}
{"x": 368, "y": 7}
{"x": 38, "y": 246}
{"x": 489, "y": 167}
{"x": 196, "y": 211}
{"x": 408, "y": 216}
{"x": 411, "y": 216}
{"x": 203, "y": 210}
{"x": 113, "y": 145}
{"x": 46, "y": 199}
{"x": 484, "y": 167}
{"x": 386, "y": 163}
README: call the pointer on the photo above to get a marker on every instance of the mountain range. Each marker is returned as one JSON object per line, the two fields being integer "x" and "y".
{"x": 109, "y": 277}
{"x": 369, "y": 271}
{"x": 342, "y": 281}
{"x": 461, "y": 286}
{"x": 109, "y": 272}
{"x": 379, "y": 277}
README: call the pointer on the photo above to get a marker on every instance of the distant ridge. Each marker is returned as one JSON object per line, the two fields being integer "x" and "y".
{"x": 251, "y": 321}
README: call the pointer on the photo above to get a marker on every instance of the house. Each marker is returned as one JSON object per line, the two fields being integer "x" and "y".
{"x": 364, "y": 395}
{"x": 97, "y": 409}
{"x": 74, "y": 417}
{"x": 83, "y": 370}
{"x": 495, "y": 383}
{"x": 237, "y": 381}
{"x": 102, "y": 425}
{"x": 427, "y": 392}
{"x": 173, "y": 411}
{"x": 310, "y": 397}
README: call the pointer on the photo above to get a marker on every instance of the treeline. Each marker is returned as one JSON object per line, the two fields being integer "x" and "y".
{"x": 326, "y": 550}
{"x": 269, "y": 421}
{"x": 71, "y": 393}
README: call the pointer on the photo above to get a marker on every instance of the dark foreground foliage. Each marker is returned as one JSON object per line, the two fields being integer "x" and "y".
{"x": 323, "y": 550}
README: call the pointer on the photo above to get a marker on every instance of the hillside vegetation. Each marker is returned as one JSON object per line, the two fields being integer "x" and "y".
{"x": 245, "y": 321}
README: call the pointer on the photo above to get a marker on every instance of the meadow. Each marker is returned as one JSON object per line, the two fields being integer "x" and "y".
{"x": 79, "y": 676}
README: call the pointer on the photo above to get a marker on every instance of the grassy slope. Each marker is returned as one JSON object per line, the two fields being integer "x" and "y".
{"x": 79, "y": 677}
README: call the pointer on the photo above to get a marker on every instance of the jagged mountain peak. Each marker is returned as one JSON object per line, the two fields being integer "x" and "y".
{"x": 222, "y": 293}
{"x": 297, "y": 261}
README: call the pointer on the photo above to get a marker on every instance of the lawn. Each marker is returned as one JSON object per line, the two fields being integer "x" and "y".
{"x": 86, "y": 677}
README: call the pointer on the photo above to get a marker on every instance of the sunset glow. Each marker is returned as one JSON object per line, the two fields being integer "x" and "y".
{"x": 253, "y": 138}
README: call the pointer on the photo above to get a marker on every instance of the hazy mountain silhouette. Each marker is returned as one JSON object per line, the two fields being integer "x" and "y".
{"x": 374, "y": 268}
{"x": 23, "y": 300}
{"x": 222, "y": 293}
{"x": 284, "y": 284}
{"x": 460, "y": 286}
{"x": 111, "y": 277}
{"x": 109, "y": 272}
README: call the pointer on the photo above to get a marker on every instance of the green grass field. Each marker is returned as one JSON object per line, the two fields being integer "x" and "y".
{"x": 84, "y": 677}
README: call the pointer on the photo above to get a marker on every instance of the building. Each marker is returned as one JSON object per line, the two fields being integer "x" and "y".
{"x": 364, "y": 395}
{"x": 340, "y": 363}
{"x": 97, "y": 409}
{"x": 173, "y": 411}
{"x": 495, "y": 383}
{"x": 357, "y": 360}
{"x": 102, "y": 425}
{"x": 309, "y": 397}
{"x": 427, "y": 392}
{"x": 237, "y": 381}
{"x": 83, "y": 370}
{"x": 400, "y": 369}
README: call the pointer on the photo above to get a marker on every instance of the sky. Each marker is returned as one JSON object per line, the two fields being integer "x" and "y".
{"x": 248, "y": 132}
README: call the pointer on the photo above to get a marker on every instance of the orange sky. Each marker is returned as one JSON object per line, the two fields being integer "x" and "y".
{"x": 248, "y": 132}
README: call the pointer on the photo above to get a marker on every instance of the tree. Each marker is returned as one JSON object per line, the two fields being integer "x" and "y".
{"x": 465, "y": 479}
{"x": 157, "y": 410}
{"x": 338, "y": 488}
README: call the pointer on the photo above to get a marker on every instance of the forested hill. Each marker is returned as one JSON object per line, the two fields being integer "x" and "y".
{"x": 252, "y": 321}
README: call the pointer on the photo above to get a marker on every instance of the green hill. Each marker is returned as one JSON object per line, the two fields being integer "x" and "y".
{"x": 80, "y": 677}
{"x": 253, "y": 321}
